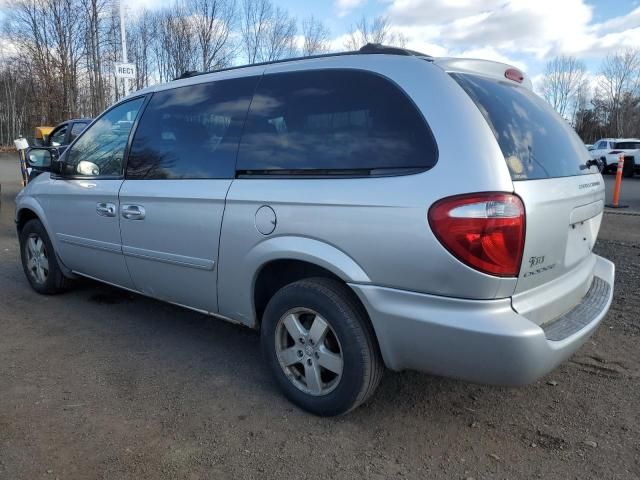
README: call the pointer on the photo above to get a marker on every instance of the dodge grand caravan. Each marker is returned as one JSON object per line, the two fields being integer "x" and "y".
{"x": 372, "y": 209}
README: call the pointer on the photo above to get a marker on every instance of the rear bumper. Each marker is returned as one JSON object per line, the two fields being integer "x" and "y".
{"x": 483, "y": 341}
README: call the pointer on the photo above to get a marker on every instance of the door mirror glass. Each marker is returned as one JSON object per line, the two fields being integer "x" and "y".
{"x": 87, "y": 168}
{"x": 39, "y": 158}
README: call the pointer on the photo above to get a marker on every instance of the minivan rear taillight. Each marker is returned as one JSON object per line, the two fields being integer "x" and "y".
{"x": 483, "y": 230}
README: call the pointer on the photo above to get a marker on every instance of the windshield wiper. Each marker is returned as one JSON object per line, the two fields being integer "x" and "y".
{"x": 591, "y": 163}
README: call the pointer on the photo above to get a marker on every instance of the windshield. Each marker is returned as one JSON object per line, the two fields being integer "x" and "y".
{"x": 535, "y": 141}
{"x": 628, "y": 145}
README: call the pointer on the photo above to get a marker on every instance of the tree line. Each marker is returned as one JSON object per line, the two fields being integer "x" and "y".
{"x": 607, "y": 105}
{"x": 57, "y": 59}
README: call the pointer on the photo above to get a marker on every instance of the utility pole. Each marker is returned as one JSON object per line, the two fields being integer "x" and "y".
{"x": 123, "y": 37}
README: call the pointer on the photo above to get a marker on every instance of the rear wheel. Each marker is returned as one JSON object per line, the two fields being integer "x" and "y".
{"x": 319, "y": 345}
{"x": 39, "y": 259}
{"x": 629, "y": 167}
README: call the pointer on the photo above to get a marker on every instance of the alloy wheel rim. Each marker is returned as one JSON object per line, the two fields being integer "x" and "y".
{"x": 309, "y": 351}
{"x": 37, "y": 259}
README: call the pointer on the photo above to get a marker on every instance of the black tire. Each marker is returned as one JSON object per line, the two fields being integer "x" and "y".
{"x": 629, "y": 167}
{"x": 55, "y": 280}
{"x": 362, "y": 365}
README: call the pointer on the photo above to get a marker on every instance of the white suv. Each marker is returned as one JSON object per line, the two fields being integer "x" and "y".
{"x": 609, "y": 149}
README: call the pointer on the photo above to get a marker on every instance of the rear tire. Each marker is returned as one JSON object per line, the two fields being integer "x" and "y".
{"x": 320, "y": 346}
{"x": 39, "y": 260}
{"x": 629, "y": 167}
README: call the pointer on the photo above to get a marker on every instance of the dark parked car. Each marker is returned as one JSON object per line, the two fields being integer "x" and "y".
{"x": 62, "y": 136}
{"x": 66, "y": 132}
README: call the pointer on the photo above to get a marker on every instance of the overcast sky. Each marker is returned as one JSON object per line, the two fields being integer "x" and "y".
{"x": 522, "y": 32}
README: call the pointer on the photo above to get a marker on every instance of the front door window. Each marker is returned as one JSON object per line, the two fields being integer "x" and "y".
{"x": 99, "y": 152}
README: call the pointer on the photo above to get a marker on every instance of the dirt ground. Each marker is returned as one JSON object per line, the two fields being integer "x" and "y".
{"x": 100, "y": 383}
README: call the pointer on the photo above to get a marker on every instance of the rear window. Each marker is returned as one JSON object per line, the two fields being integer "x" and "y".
{"x": 336, "y": 122}
{"x": 627, "y": 145}
{"x": 535, "y": 141}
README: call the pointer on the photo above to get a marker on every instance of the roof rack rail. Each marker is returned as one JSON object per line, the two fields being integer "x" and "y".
{"x": 189, "y": 73}
{"x": 368, "y": 49}
{"x": 379, "y": 48}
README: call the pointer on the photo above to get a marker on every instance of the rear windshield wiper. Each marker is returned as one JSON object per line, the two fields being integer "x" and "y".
{"x": 591, "y": 163}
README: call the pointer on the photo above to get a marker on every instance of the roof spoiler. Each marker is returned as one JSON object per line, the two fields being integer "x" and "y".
{"x": 497, "y": 70}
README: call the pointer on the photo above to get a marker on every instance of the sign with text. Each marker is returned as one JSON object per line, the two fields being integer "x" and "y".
{"x": 125, "y": 70}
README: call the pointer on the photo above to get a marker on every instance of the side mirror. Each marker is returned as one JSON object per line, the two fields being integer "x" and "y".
{"x": 591, "y": 148}
{"x": 45, "y": 159}
{"x": 40, "y": 159}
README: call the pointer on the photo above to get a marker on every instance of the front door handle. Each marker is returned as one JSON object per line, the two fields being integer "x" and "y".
{"x": 106, "y": 209}
{"x": 133, "y": 212}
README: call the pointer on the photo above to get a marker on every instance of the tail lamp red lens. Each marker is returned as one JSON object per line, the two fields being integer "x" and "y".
{"x": 483, "y": 230}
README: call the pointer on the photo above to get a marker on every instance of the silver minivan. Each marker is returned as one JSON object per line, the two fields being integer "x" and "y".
{"x": 370, "y": 209}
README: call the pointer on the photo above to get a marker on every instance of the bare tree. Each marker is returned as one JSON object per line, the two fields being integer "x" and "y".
{"x": 174, "y": 36}
{"x": 30, "y": 34}
{"x": 281, "y": 36}
{"x": 619, "y": 83}
{"x": 213, "y": 23}
{"x": 563, "y": 80}
{"x": 67, "y": 41}
{"x": 92, "y": 10}
{"x": 377, "y": 30}
{"x": 13, "y": 101}
{"x": 140, "y": 43}
{"x": 315, "y": 37}
{"x": 268, "y": 32}
{"x": 256, "y": 14}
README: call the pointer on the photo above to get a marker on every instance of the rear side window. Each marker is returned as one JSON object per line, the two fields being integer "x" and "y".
{"x": 333, "y": 122}
{"x": 57, "y": 137}
{"x": 191, "y": 132}
{"x": 77, "y": 129}
{"x": 535, "y": 141}
{"x": 627, "y": 145}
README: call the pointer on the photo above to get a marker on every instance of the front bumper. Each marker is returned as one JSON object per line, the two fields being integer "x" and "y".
{"x": 483, "y": 341}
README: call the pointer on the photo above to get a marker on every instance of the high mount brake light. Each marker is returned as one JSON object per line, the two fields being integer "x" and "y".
{"x": 514, "y": 74}
{"x": 483, "y": 230}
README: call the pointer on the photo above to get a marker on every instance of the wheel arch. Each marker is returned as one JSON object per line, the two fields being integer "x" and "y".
{"x": 31, "y": 210}
{"x": 23, "y": 216}
{"x": 283, "y": 260}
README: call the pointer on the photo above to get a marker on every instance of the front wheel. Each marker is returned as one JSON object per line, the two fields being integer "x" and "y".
{"x": 39, "y": 259}
{"x": 320, "y": 346}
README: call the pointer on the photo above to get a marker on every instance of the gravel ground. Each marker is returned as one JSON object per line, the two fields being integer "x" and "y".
{"x": 100, "y": 383}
